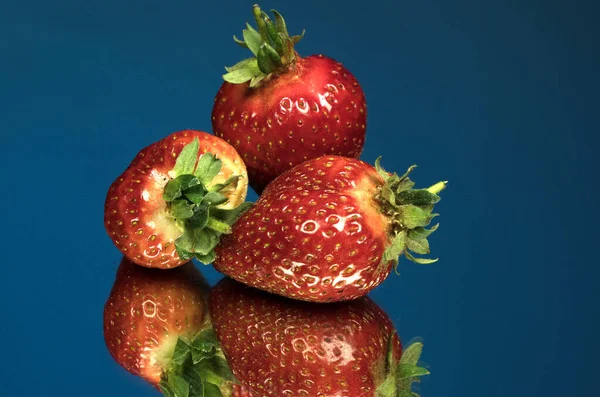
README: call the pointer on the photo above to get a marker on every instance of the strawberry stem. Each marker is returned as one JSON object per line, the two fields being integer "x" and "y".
{"x": 271, "y": 45}
{"x": 218, "y": 226}
{"x": 260, "y": 22}
{"x": 400, "y": 375}
{"x": 194, "y": 200}
{"x": 198, "y": 368}
{"x": 410, "y": 211}
{"x": 438, "y": 187}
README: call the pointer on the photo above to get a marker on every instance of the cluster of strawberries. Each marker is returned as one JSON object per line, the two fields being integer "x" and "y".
{"x": 292, "y": 317}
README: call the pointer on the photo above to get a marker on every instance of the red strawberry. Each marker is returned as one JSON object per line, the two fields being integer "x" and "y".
{"x": 280, "y": 347}
{"x": 329, "y": 229}
{"x": 278, "y": 109}
{"x": 156, "y": 326}
{"x": 176, "y": 199}
{"x": 240, "y": 391}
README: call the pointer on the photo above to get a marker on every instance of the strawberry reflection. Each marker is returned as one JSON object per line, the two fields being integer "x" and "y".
{"x": 156, "y": 326}
{"x": 281, "y": 347}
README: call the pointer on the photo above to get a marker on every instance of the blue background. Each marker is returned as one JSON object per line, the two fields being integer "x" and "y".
{"x": 500, "y": 98}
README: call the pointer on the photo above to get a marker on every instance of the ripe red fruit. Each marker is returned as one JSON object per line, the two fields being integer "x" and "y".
{"x": 328, "y": 230}
{"x": 278, "y": 109}
{"x": 157, "y": 326}
{"x": 279, "y": 347}
{"x": 176, "y": 199}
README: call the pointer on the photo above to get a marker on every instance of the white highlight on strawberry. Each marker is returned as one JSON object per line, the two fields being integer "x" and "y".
{"x": 150, "y": 309}
{"x": 302, "y": 106}
{"x": 314, "y": 226}
{"x": 338, "y": 351}
{"x": 324, "y": 102}
{"x": 347, "y": 279}
{"x": 341, "y": 223}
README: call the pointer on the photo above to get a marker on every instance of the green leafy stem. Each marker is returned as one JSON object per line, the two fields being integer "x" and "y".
{"x": 271, "y": 45}
{"x": 402, "y": 374}
{"x": 197, "y": 369}
{"x": 410, "y": 210}
{"x": 193, "y": 202}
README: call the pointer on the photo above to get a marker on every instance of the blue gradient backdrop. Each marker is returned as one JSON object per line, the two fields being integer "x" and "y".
{"x": 500, "y": 98}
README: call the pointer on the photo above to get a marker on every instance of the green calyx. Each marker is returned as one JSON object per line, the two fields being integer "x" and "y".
{"x": 194, "y": 203}
{"x": 411, "y": 211}
{"x": 272, "y": 46}
{"x": 197, "y": 369}
{"x": 402, "y": 374}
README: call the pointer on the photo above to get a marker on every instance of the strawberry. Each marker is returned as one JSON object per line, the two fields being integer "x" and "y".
{"x": 280, "y": 347}
{"x": 329, "y": 229}
{"x": 176, "y": 199}
{"x": 157, "y": 326}
{"x": 279, "y": 109}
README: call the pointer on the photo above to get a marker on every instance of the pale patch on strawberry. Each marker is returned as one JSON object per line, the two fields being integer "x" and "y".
{"x": 176, "y": 199}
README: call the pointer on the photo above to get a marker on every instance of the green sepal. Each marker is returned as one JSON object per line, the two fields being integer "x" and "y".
{"x": 181, "y": 209}
{"x": 267, "y": 59}
{"x": 409, "y": 210}
{"x": 175, "y": 386}
{"x": 273, "y": 35}
{"x": 417, "y": 197}
{"x": 183, "y": 254}
{"x": 421, "y": 233}
{"x": 215, "y": 370}
{"x": 260, "y": 22}
{"x": 196, "y": 383}
{"x": 206, "y": 259}
{"x": 412, "y": 216}
{"x": 211, "y": 390}
{"x": 400, "y": 374}
{"x": 208, "y": 167}
{"x": 205, "y": 341}
{"x": 243, "y": 74}
{"x": 195, "y": 194}
{"x": 406, "y": 371}
{"x": 420, "y": 246}
{"x": 215, "y": 198}
{"x": 218, "y": 226}
{"x": 420, "y": 261}
{"x": 280, "y": 24}
{"x": 295, "y": 39}
{"x": 230, "y": 216}
{"x": 407, "y": 393}
{"x": 271, "y": 45}
{"x": 199, "y": 241}
{"x": 172, "y": 190}
{"x": 200, "y": 218}
{"x": 241, "y": 64}
{"x": 220, "y": 186}
{"x": 181, "y": 352}
{"x": 240, "y": 42}
{"x": 186, "y": 161}
{"x": 408, "y": 366}
{"x": 252, "y": 39}
{"x": 197, "y": 369}
{"x": 187, "y": 181}
{"x": 256, "y": 79}
{"x": 165, "y": 389}
{"x": 394, "y": 250}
